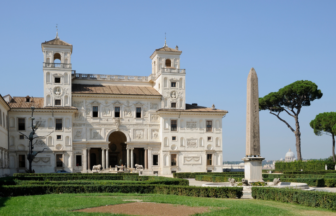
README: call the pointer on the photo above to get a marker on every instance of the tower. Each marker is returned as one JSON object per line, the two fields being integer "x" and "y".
{"x": 57, "y": 72}
{"x": 170, "y": 79}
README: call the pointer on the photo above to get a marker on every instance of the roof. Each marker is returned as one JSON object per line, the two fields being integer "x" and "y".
{"x": 57, "y": 41}
{"x": 114, "y": 90}
{"x": 194, "y": 108}
{"x": 4, "y": 101}
{"x": 20, "y": 103}
{"x": 166, "y": 49}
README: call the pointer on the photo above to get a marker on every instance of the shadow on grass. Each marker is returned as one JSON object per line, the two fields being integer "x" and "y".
{"x": 3, "y": 200}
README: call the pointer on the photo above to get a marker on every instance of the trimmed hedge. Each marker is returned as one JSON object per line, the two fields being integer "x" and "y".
{"x": 307, "y": 198}
{"x": 321, "y": 172}
{"x": 214, "y": 178}
{"x": 313, "y": 182}
{"x": 193, "y": 175}
{"x": 311, "y": 165}
{"x": 69, "y": 177}
{"x": 73, "y": 174}
{"x": 214, "y": 192}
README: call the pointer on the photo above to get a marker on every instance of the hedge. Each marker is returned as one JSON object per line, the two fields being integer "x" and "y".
{"x": 193, "y": 175}
{"x": 321, "y": 172}
{"x": 313, "y": 182}
{"x": 73, "y": 174}
{"x": 214, "y": 192}
{"x": 214, "y": 178}
{"x": 69, "y": 177}
{"x": 311, "y": 165}
{"x": 307, "y": 198}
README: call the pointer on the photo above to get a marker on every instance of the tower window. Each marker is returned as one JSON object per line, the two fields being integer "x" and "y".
{"x": 138, "y": 112}
{"x": 57, "y": 80}
{"x": 168, "y": 63}
{"x": 117, "y": 112}
{"x": 173, "y": 124}
{"x": 95, "y": 111}
{"x": 173, "y": 84}
{"x": 208, "y": 126}
{"x": 59, "y": 124}
{"x": 173, "y": 105}
{"x": 57, "y": 102}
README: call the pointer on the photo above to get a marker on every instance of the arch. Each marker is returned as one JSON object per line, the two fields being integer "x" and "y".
{"x": 126, "y": 134}
{"x": 201, "y": 142}
{"x": 182, "y": 142}
{"x": 168, "y": 63}
{"x": 117, "y": 148}
{"x": 166, "y": 141}
{"x": 48, "y": 77}
{"x": 66, "y": 78}
{"x": 57, "y": 56}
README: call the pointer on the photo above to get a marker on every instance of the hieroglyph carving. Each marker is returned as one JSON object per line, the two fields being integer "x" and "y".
{"x": 155, "y": 134}
{"x": 192, "y": 159}
{"x": 154, "y": 118}
{"x": 41, "y": 160}
{"x": 78, "y": 134}
{"x": 138, "y": 134}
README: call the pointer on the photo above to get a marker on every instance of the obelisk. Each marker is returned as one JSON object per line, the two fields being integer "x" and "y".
{"x": 252, "y": 159}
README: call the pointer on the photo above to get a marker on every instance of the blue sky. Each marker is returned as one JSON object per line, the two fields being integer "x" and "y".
{"x": 284, "y": 41}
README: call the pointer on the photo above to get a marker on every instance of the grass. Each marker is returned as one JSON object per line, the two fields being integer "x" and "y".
{"x": 64, "y": 204}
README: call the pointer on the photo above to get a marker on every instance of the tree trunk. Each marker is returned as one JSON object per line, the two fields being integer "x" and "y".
{"x": 333, "y": 146}
{"x": 298, "y": 138}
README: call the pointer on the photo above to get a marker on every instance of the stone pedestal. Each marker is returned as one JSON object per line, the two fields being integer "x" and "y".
{"x": 253, "y": 169}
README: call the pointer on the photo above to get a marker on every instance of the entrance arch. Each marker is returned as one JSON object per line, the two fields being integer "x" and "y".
{"x": 117, "y": 149}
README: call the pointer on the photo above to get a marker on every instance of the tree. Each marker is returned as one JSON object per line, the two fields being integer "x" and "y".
{"x": 291, "y": 99}
{"x": 325, "y": 122}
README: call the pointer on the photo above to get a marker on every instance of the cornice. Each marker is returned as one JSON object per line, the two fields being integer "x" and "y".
{"x": 44, "y": 110}
{"x": 117, "y": 96}
{"x": 182, "y": 113}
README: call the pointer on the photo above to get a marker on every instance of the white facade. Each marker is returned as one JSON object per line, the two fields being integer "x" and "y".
{"x": 4, "y": 108}
{"x": 90, "y": 119}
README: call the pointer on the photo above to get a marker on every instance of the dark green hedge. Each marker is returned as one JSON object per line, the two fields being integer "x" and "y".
{"x": 295, "y": 176}
{"x": 70, "y": 177}
{"x": 310, "y": 181}
{"x": 215, "y": 178}
{"x": 193, "y": 175}
{"x": 220, "y": 192}
{"x": 311, "y": 165}
{"x": 321, "y": 172}
{"x": 73, "y": 174}
{"x": 308, "y": 198}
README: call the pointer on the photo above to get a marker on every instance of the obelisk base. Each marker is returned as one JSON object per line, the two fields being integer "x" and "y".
{"x": 253, "y": 169}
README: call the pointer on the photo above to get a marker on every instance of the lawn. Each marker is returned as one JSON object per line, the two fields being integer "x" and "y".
{"x": 64, "y": 204}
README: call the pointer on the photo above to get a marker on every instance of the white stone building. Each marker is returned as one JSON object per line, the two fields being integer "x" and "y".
{"x": 90, "y": 119}
{"x": 4, "y": 108}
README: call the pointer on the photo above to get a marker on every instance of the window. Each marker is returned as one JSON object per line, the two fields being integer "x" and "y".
{"x": 168, "y": 63}
{"x": 173, "y": 84}
{"x": 173, "y": 105}
{"x": 22, "y": 161}
{"x": 117, "y": 112}
{"x": 173, "y": 159}
{"x": 209, "y": 138}
{"x": 138, "y": 112}
{"x": 155, "y": 160}
{"x": 58, "y": 137}
{"x": 57, "y": 80}
{"x": 174, "y": 138}
{"x": 21, "y": 137}
{"x": 59, "y": 160}
{"x": 22, "y": 124}
{"x": 209, "y": 159}
{"x": 95, "y": 111}
{"x": 78, "y": 160}
{"x": 209, "y": 171}
{"x": 173, "y": 124}
{"x": 57, "y": 102}
{"x": 27, "y": 99}
{"x": 59, "y": 125}
{"x": 208, "y": 126}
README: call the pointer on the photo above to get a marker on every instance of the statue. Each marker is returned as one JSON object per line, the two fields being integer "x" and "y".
{"x": 276, "y": 181}
{"x": 245, "y": 182}
{"x": 232, "y": 181}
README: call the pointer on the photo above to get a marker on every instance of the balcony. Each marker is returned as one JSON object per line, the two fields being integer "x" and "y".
{"x": 170, "y": 70}
{"x": 57, "y": 65}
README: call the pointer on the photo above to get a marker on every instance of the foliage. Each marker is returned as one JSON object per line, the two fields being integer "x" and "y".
{"x": 321, "y": 172}
{"x": 325, "y": 122}
{"x": 291, "y": 99}
{"x": 310, "y": 165}
{"x": 313, "y": 182}
{"x": 307, "y": 198}
{"x": 221, "y": 192}
{"x": 258, "y": 183}
{"x": 216, "y": 178}
{"x": 193, "y": 175}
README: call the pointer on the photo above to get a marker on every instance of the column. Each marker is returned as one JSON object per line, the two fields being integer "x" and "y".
{"x": 146, "y": 161}
{"x": 84, "y": 160}
{"x": 107, "y": 158}
{"x": 73, "y": 164}
{"x": 150, "y": 158}
{"x": 132, "y": 158}
{"x": 103, "y": 158}
{"x": 128, "y": 164}
{"x": 89, "y": 162}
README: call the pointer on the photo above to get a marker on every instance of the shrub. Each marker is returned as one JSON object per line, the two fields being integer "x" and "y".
{"x": 314, "y": 182}
{"x": 311, "y": 165}
{"x": 330, "y": 182}
{"x": 220, "y": 192}
{"x": 216, "y": 178}
{"x": 301, "y": 197}
{"x": 193, "y": 175}
{"x": 319, "y": 172}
